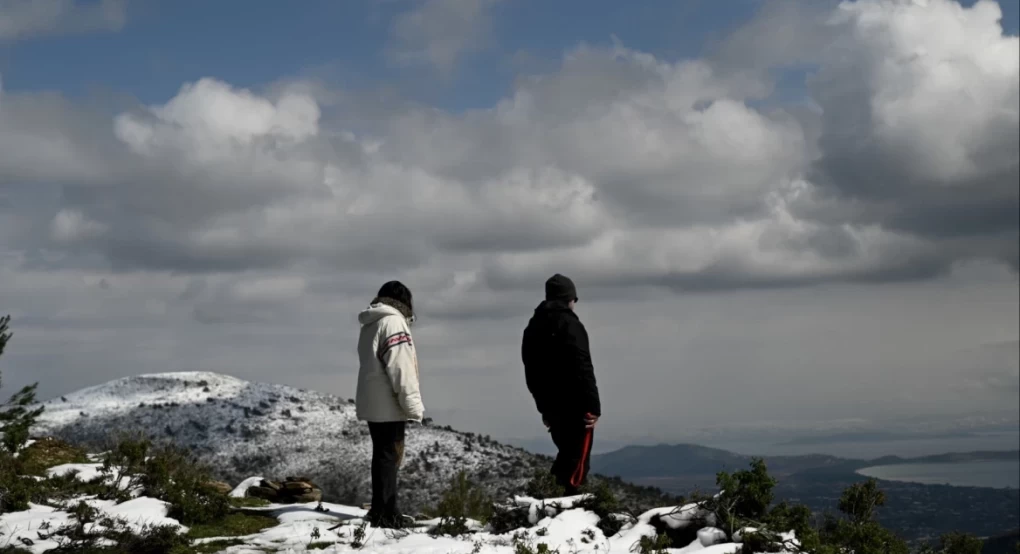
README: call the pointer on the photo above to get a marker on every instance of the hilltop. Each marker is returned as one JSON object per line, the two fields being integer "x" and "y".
{"x": 242, "y": 429}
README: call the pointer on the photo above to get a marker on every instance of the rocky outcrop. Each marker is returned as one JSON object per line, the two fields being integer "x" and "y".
{"x": 293, "y": 490}
{"x": 220, "y": 487}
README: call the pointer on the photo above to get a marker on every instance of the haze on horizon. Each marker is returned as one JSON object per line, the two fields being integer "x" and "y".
{"x": 780, "y": 215}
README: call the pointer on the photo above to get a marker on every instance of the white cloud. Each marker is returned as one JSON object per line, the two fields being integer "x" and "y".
{"x": 70, "y": 226}
{"x": 629, "y": 172}
{"x": 440, "y": 32}
{"x": 21, "y": 19}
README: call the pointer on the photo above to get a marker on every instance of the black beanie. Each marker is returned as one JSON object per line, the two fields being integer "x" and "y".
{"x": 561, "y": 288}
{"x": 397, "y": 291}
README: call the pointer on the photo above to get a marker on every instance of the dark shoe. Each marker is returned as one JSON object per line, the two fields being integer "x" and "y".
{"x": 396, "y": 521}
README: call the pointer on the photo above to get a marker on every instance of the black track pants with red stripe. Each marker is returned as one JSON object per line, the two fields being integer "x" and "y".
{"x": 573, "y": 461}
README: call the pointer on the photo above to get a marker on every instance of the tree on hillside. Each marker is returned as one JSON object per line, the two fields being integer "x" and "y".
{"x": 16, "y": 419}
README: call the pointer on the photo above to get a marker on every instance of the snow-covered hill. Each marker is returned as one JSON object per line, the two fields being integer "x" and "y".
{"x": 243, "y": 429}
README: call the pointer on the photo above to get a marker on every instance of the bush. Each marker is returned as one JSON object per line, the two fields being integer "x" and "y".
{"x": 16, "y": 490}
{"x": 604, "y": 504}
{"x": 659, "y": 544}
{"x": 167, "y": 472}
{"x": 16, "y": 420}
{"x": 172, "y": 474}
{"x": 88, "y": 533}
{"x": 744, "y": 495}
{"x": 508, "y": 517}
{"x": 543, "y": 485}
{"x": 48, "y": 452}
{"x": 954, "y": 543}
{"x": 857, "y": 530}
{"x": 462, "y": 500}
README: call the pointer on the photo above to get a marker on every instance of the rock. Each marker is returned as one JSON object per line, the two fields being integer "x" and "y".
{"x": 292, "y": 490}
{"x": 264, "y": 493}
{"x": 314, "y": 495}
{"x": 220, "y": 487}
{"x": 296, "y": 487}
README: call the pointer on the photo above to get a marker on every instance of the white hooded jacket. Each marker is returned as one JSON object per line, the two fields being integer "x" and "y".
{"x": 388, "y": 376}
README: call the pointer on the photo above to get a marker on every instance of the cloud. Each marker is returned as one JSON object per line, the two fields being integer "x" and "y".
{"x": 619, "y": 168}
{"x": 23, "y": 19}
{"x": 271, "y": 215}
{"x": 919, "y": 125}
{"x": 439, "y": 33}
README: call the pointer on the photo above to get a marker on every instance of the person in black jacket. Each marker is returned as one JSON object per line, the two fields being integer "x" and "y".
{"x": 561, "y": 378}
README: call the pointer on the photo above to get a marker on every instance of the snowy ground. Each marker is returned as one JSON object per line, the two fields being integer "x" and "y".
{"x": 242, "y": 428}
{"x": 302, "y": 528}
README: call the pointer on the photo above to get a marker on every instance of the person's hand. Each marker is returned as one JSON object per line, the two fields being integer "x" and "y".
{"x": 590, "y": 420}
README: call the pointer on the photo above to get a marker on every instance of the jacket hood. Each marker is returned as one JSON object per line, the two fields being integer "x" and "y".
{"x": 376, "y": 311}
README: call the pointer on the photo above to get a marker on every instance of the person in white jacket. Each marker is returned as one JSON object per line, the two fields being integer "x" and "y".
{"x": 388, "y": 393}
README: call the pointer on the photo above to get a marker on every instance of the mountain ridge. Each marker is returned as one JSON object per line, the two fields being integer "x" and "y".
{"x": 244, "y": 429}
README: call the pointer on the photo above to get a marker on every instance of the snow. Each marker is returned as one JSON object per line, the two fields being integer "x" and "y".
{"x": 86, "y": 473}
{"x": 18, "y": 527}
{"x": 138, "y": 512}
{"x": 571, "y": 530}
{"x": 242, "y": 429}
{"x": 679, "y": 517}
{"x": 83, "y": 472}
{"x": 240, "y": 491}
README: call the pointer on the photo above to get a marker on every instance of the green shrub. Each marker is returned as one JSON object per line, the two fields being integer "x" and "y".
{"x": 508, "y": 517}
{"x": 462, "y": 500}
{"x": 16, "y": 419}
{"x": 659, "y": 544}
{"x": 16, "y": 490}
{"x": 48, "y": 452}
{"x": 857, "y": 530}
{"x": 543, "y": 485}
{"x": 172, "y": 474}
{"x": 744, "y": 495}
{"x": 88, "y": 533}
{"x": 954, "y": 543}
{"x": 602, "y": 502}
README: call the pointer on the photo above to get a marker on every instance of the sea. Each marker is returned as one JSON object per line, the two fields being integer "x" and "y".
{"x": 996, "y": 474}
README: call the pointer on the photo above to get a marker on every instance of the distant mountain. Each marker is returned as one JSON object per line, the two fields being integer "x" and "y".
{"x": 687, "y": 460}
{"x": 247, "y": 429}
{"x": 915, "y": 511}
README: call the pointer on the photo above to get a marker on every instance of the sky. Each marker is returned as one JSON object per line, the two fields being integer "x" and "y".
{"x": 779, "y": 214}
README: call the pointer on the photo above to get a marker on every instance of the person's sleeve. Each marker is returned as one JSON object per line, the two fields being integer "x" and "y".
{"x": 577, "y": 342}
{"x": 397, "y": 354}
{"x": 531, "y": 377}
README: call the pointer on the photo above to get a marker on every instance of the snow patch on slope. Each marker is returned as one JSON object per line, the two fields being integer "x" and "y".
{"x": 242, "y": 428}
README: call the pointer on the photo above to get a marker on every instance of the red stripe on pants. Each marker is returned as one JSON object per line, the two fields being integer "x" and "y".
{"x": 578, "y": 476}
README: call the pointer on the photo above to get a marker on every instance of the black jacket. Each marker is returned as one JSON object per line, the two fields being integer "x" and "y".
{"x": 557, "y": 364}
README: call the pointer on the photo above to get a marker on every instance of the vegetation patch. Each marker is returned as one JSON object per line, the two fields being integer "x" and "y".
{"x": 48, "y": 452}
{"x": 248, "y": 502}
{"x": 237, "y": 524}
{"x": 463, "y": 500}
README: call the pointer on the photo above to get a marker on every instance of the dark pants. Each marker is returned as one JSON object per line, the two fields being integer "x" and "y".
{"x": 387, "y": 455}
{"x": 573, "y": 461}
